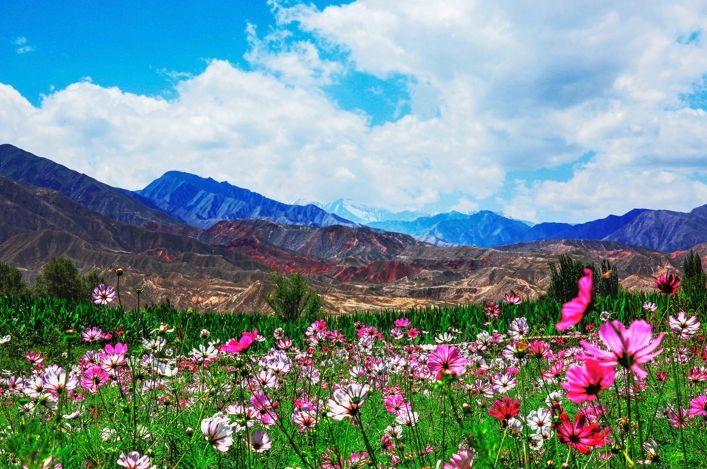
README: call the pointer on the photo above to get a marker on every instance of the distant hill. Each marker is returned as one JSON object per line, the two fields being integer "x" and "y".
{"x": 483, "y": 229}
{"x": 226, "y": 268}
{"x": 362, "y": 244}
{"x": 661, "y": 230}
{"x": 202, "y": 202}
{"x": 114, "y": 203}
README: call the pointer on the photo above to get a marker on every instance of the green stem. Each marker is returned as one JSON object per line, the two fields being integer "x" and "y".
{"x": 629, "y": 443}
{"x": 369, "y": 448}
{"x": 500, "y": 448}
{"x": 679, "y": 410}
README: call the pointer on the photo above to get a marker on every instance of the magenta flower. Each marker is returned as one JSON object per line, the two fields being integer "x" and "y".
{"x": 402, "y": 322}
{"x": 573, "y": 310}
{"x": 119, "y": 349}
{"x": 394, "y": 403}
{"x": 585, "y": 382}
{"x": 446, "y": 360}
{"x": 103, "y": 294}
{"x": 233, "y": 346}
{"x": 629, "y": 348}
{"x": 698, "y": 407}
{"x": 94, "y": 378}
{"x": 505, "y": 410}
{"x": 580, "y": 436}
{"x": 668, "y": 284}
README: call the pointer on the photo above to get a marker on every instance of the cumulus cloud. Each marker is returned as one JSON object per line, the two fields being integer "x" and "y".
{"x": 493, "y": 88}
{"x": 249, "y": 128}
{"x": 542, "y": 83}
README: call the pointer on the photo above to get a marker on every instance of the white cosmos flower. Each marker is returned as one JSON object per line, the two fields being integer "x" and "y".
{"x": 347, "y": 400}
{"x": 133, "y": 460}
{"x": 539, "y": 419}
{"x": 218, "y": 432}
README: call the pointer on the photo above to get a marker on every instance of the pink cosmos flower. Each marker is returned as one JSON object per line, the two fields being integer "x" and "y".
{"x": 580, "y": 436}
{"x": 34, "y": 358}
{"x": 585, "y": 382}
{"x": 394, "y": 403}
{"x": 668, "y": 284}
{"x": 260, "y": 441}
{"x": 460, "y": 460}
{"x": 573, "y": 310}
{"x": 492, "y": 310}
{"x": 678, "y": 417}
{"x": 402, "y": 322}
{"x": 92, "y": 334}
{"x": 233, "y": 346}
{"x": 94, "y": 378}
{"x": 305, "y": 419}
{"x": 628, "y": 348}
{"x": 446, "y": 360}
{"x": 265, "y": 409}
{"x": 120, "y": 349}
{"x": 512, "y": 298}
{"x": 698, "y": 407}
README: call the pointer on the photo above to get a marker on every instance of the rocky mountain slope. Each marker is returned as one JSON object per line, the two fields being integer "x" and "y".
{"x": 202, "y": 202}
{"x": 227, "y": 267}
{"x": 111, "y": 202}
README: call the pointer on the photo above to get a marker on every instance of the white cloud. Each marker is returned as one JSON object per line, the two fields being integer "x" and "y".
{"x": 493, "y": 87}
{"x": 541, "y": 84}
{"x": 22, "y": 47}
{"x": 249, "y": 128}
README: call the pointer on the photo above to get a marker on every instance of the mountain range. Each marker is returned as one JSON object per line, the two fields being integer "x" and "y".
{"x": 111, "y": 202}
{"x": 202, "y": 202}
{"x": 210, "y": 245}
{"x": 662, "y": 230}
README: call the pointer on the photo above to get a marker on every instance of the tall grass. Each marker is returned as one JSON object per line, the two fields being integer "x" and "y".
{"x": 44, "y": 320}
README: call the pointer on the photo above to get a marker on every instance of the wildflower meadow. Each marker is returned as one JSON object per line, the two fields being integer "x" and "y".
{"x": 593, "y": 382}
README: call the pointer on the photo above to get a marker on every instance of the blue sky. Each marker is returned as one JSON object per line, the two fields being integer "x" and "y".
{"x": 536, "y": 110}
{"x": 142, "y": 47}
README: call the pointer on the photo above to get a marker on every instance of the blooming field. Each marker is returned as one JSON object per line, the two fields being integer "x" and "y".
{"x": 593, "y": 390}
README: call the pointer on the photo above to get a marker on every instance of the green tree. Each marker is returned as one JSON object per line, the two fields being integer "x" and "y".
{"x": 292, "y": 298}
{"x": 693, "y": 280}
{"x": 60, "y": 278}
{"x": 607, "y": 284}
{"x": 564, "y": 278}
{"x": 11, "y": 282}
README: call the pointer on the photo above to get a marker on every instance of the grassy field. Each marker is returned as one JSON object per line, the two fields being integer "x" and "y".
{"x": 166, "y": 388}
